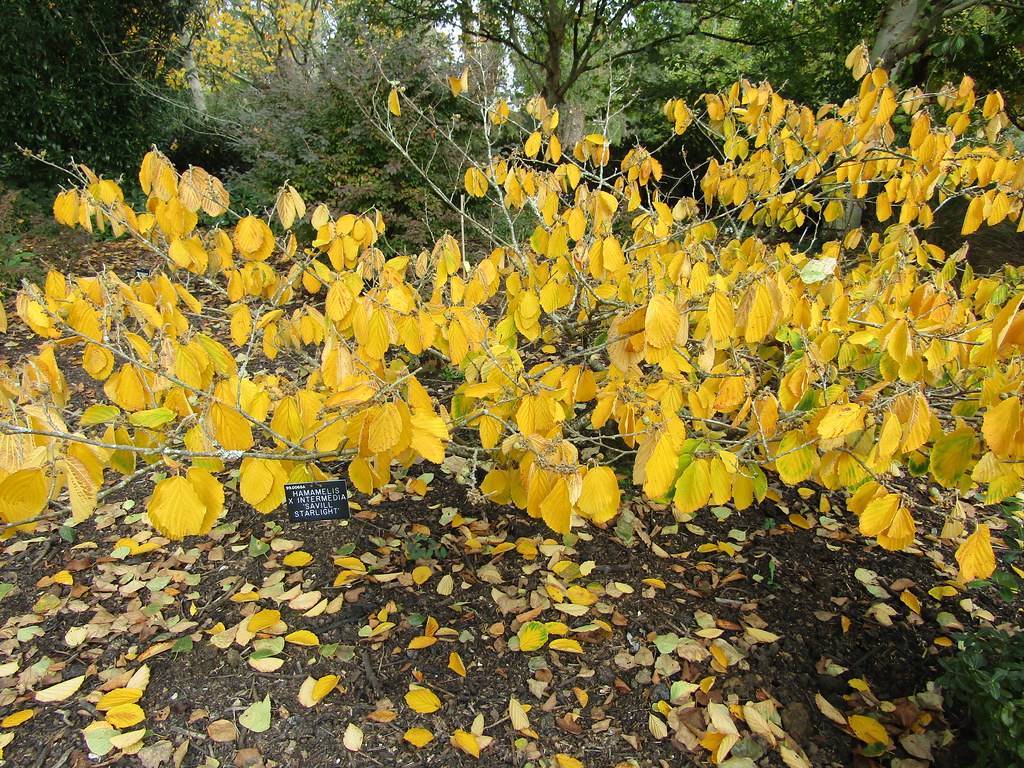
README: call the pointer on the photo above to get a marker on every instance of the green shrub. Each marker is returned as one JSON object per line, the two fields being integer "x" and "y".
{"x": 987, "y": 678}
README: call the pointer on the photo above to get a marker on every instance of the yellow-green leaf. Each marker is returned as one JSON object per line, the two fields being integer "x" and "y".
{"x": 532, "y": 636}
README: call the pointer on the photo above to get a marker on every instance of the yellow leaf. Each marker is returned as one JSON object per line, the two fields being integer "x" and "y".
{"x": 532, "y": 145}
{"x": 297, "y": 559}
{"x": 599, "y": 500}
{"x": 211, "y": 492}
{"x": 975, "y": 555}
{"x": 313, "y": 691}
{"x": 532, "y": 636}
{"x": 567, "y": 761}
{"x": 117, "y": 697}
{"x": 125, "y": 715}
{"x": 661, "y": 322}
{"x": 230, "y": 428}
{"x": 421, "y": 641}
{"x": 23, "y": 495}
{"x": 175, "y": 509}
{"x": 796, "y": 458}
{"x": 693, "y": 488}
{"x": 1001, "y": 425}
{"x": 721, "y": 316}
{"x": 393, "y": 106}
{"x": 126, "y": 741}
{"x": 975, "y": 215}
{"x": 302, "y": 637}
{"x": 418, "y": 737}
{"x": 264, "y": 619}
{"x": 422, "y": 700}
{"x": 566, "y": 645}
{"x": 241, "y": 325}
{"x": 910, "y": 600}
{"x": 869, "y": 730}
{"x": 460, "y": 83}
{"x": 517, "y": 715}
{"x": 253, "y": 239}
{"x": 15, "y": 719}
{"x": 60, "y": 691}
{"x": 82, "y": 486}
{"x": 555, "y": 509}
{"x": 420, "y": 574}
{"x": 759, "y": 318}
{"x": 475, "y": 182}
{"x": 385, "y": 428}
{"x": 889, "y": 521}
{"x": 353, "y": 738}
{"x": 951, "y": 456}
{"x": 455, "y": 664}
{"x": 841, "y": 420}
{"x": 466, "y": 742}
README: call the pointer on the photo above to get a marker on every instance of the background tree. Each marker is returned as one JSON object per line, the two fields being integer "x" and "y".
{"x": 555, "y": 44}
{"x": 52, "y": 54}
{"x": 942, "y": 39}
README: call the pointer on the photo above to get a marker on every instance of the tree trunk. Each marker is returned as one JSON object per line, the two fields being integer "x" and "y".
{"x": 195, "y": 86}
{"x": 483, "y": 57}
{"x": 900, "y": 33}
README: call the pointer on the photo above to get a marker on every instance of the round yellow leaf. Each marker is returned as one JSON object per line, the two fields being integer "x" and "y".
{"x": 869, "y": 730}
{"x": 466, "y": 742}
{"x": 418, "y": 737}
{"x": 302, "y": 637}
{"x": 566, "y": 645}
{"x": 125, "y": 715}
{"x": 261, "y": 620}
{"x": 175, "y": 509}
{"x": 422, "y": 700}
{"x": 599, "y": 500}
{"x": 117, "y": 697}
{"x": 298, "y": 559}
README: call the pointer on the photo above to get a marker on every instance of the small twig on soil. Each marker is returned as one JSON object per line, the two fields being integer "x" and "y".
{"x": 215, "y": 601}
{"x": 63, "y": 758}
{"x": 43, "y": 754}
{"x": 42, "y": 553}
{"x": 187, "y": 732}
{"x": 496, "y": 723}
{"x": 730, "y": 601}
{"x": 371, "y": 676}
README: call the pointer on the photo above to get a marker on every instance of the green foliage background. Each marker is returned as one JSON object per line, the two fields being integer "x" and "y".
{"x": 84, "y": 79}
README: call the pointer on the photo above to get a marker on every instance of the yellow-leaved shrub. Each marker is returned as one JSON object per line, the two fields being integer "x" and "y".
{"x": 611, "y": 333}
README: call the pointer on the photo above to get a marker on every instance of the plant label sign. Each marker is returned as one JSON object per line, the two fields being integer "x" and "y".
{"x": 309, "y": 502}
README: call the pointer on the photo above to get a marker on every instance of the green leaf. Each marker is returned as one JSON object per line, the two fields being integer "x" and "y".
{"x": 667, "y": 643}
{"x": 267, "y": 647}
{"x": 256, "y": 717}
{"x": 816, "y": 270}
{"x": 99, "y": 414}
{"x": 257, "y": 547}
{"x": 951, "y": 455}
{"x": 153, "y": 418}
{"x": 98, "y": 739}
